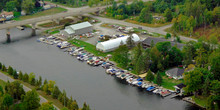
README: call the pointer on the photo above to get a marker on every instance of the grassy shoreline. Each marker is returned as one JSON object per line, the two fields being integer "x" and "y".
{"x": 88, "y": 47}
{"x": 167, "y": 82}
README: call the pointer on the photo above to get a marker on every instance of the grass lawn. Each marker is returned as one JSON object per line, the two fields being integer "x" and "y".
{"x": 88, "y": 47}
{"x": 42, "y": 13}
{"x": 200, "y": 100}
{"x": 54, "y": 32}
{"x": 146, "y": 24}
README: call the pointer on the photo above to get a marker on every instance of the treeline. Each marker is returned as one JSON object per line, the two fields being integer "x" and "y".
{"x": 29, "y": 6}
{"x": 49, "y": 87}
{"x": 13, "y": 97}
{"x": 72, "y": 2}
{"x": 203, "y": 81}
{"x": 188, "y": 14}
{"x": 143, "y": 11}
{"x": 124, "y": 10}
{"x": 196, "y": 14}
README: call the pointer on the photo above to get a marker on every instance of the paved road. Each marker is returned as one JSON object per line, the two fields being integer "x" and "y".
{"x": 26, "y": 89}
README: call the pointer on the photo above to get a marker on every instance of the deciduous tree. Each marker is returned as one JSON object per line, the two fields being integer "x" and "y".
{"x": 28, "y": 6}
{"x": 193, "y": 81}
{"x": 145, "y": 16}
{"x": 168, "y": 15}
{"x": 7, "y": 100}
{"x": 31, "y": 100}
{"x": 47, "y": 106}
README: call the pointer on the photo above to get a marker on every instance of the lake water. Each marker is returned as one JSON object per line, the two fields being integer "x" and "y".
{"x": 85, "y": 83}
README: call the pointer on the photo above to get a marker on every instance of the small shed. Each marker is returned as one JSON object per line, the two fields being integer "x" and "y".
{"x": 175, "y": 73}
{"x": 113, "y": 44}
{"x": 77, "y": 29}
{"x": 179, "y": 88}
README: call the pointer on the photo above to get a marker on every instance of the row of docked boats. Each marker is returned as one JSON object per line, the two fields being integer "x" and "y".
{"x": 92, "y": 60}
{"x": 137, "y": 81}
{"x": 78, "y": 52}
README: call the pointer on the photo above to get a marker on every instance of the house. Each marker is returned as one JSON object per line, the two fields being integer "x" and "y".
{"x": 113, "y": 44}
{"x": 147, "y": 42}
{"x": 179, "y": 88}
{"x": 7, "y": 15}
{"x": 77, "y": 29}
{"x": 175, "y": 73}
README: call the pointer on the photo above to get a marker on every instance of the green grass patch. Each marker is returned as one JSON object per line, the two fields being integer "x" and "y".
{"x": 200, "y": 100}
{"x": 42, "y": 13}
{"x": 54, "y": 32}
{"x": 88, "y": 47}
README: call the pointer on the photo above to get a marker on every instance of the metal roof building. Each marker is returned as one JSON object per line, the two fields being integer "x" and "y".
{"x": 77, "y": 29}
{"x": 113, "y": 44}
{"x": 176, "y": 73}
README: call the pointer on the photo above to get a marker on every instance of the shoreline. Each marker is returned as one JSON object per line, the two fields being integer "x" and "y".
{"x": 147, "y": 82}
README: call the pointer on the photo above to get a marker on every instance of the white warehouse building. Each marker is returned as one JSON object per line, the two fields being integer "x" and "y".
{"x": 113, "y": 44}
{"x": 77, "y": 29}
